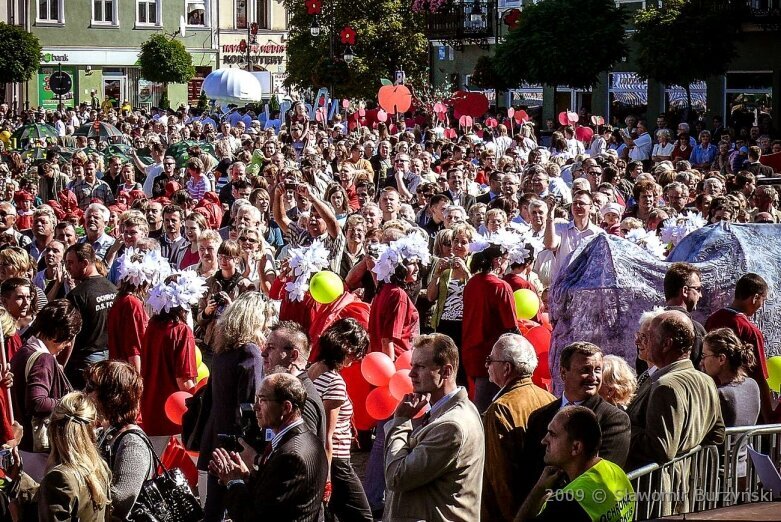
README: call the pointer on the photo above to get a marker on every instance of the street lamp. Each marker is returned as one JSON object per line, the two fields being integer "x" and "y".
{"x": 349, "y": 56}
{"x": 476, "y": 15}
{"x": 314, "y": 30}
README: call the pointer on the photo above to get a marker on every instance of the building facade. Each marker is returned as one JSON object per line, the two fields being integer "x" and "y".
{"x": 255, "y": 30}
{"x": 750, "y": 88}
{"x": 97, "y": 43}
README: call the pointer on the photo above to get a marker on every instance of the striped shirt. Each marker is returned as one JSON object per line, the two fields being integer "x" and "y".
{"x": 330, "y": 385}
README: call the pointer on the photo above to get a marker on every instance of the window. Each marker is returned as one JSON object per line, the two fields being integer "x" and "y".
{"x": 147, "y": 12}
{"x": 196, "y": 13}
{"x": 263, "y": 14}
{"x": 50, "y": 11}
{"x": 241, "y": 14}
{"x": 104, "y": 12}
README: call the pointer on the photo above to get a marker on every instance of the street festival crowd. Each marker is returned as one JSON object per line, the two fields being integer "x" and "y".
{"x": 276, "y": 295}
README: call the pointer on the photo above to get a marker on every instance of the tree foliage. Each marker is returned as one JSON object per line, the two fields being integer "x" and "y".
{"x": 561, "y": 42}
{"x": 485, "y": 76}
{"x": 165, "y": 60}
{"x": 686, "y": 40}
{"x": 22, "y": 54}
{"x": 389, "y": 37}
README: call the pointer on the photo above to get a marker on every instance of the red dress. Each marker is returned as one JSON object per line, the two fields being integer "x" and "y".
{"x": 393, "y": 316}
{"x": 489, "y": 311}
{"x": 746, "y": 332}
{"x": 189, "y": 259}
{"x": 127, "y": 322}
{"x": 168, "y": 353}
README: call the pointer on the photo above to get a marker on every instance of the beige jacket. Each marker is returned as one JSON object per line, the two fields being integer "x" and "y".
{"x": 435, "y": 471}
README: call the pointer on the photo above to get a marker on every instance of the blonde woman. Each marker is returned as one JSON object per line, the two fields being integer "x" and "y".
{"x": 619, "y": 381}
{"x": 194, "y": 225}
{"x": 77, "y": 480}
{"x": 236, "y": 369}
{"x": 257, "y": 259}
{"x": 208, "y": 243}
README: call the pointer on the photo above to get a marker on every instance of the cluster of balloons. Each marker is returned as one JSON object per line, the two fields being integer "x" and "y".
{"x": 392, "y": 382}
{"x": 175, "y": 404}
{"x": 325, "y": 287}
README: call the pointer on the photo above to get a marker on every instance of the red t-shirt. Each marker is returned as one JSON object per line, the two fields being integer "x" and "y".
{"x": 12, "y": 345}
{"x": 489, "y": 311}
{"x": 127, "y": 321}
{"x": 746, "y": 332}
{"x": 190, "y": 258}
{"x": 168, "y": 353}
{"x": 393, "y": 316}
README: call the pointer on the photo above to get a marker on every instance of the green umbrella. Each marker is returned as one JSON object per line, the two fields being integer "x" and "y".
{"x": 179, "y": 151}
{"x": 98, "y": 129}
{"x": 33, "y": 131}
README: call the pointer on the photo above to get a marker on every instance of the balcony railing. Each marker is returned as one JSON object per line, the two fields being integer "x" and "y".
{"x": 764, "y": 12}
{"x": 462, "y": 20}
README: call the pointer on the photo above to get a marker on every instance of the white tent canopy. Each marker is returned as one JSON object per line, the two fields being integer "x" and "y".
{"x": 232, "y": 86}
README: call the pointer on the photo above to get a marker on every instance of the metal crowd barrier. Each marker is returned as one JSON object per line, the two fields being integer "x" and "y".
{"x": 707, "y": 477}
{"x": 740, "y": 483}
{"x": 678, "y": 486}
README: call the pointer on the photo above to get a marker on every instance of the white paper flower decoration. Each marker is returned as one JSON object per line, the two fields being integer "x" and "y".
{"x": 305, "y": 262}
{"x": 647, "y": 240}
{"x": 413, "y": 247}
{"x": 139, "y": 267}
{"x": 182, "y": 289}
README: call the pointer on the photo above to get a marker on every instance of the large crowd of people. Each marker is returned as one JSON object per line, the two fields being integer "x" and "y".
{"x": 178, "y": 256}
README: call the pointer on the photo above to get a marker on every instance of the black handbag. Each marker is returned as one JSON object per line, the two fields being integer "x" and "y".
{"x": 167, "y": 497}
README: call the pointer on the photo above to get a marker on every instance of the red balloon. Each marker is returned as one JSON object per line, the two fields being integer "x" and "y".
{"x": 521, "y": 117}
{"x": 380, "y": 404}
{"x": 382, "y": 115}
{"x": 465, "y": 121}
{"x": 358, "y": 389}
{"x": 510, "y": 112}
{"x": 394, "y": 98}
{"x": 404, "y": 361}
{"x": 377, "y": 368}
{"x": 469, "y": 103}
{"x": 584, "y": 134}
{"x": 400, "y": 384}
{"x": 540, "y": 338}
{"x": 175, "y": 407}
{"x": 563, "y": 118}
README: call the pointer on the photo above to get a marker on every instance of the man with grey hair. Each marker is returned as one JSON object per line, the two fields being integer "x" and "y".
{"x": 454, "y": 214}
{"x": 95, "y": 218}
{"x": 44, "y": 221}
{"x": 8, "y": 217}
{"x": 510, "y": 366}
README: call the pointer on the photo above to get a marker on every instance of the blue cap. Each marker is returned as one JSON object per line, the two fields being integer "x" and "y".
{"x": 743, "y": 150}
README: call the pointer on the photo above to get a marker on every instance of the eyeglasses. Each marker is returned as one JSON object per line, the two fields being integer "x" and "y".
{"x": 697, "y": 288}
{"x": 706, "y": 355}
{"x": 488, "y": 360}
{"x": 249, "y": 239}
{"x": 225, "y": 257}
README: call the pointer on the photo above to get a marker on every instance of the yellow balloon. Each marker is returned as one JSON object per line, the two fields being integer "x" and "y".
{"x": 203, "y": 372}
{"x": 326, "y": 287}
{"x": 5, "y": 136}
{"x": 774, "y": 373}
{"x": 526, "y": 303}
{"x": 198, "y": 357}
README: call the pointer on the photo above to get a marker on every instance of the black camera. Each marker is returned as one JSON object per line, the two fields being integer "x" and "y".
{"x": 248, "y": 431}
{"x": 220, "y": 299}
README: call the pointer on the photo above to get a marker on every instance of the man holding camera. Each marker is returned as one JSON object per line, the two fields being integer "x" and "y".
{"x": 291, "y": 473}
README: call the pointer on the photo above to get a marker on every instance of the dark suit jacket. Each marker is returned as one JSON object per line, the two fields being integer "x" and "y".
{"x": 314, "y": 411}
{"x": 758, "y": 169}
{"x": 288, "y": 487}
{"x": 484, "y": 198}
{"x": 613, "y": 421}
{"x": 466, "y": 200}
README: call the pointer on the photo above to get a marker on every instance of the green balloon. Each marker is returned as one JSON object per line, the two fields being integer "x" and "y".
{"x": 326, "y": 287}
{"x": 527, "y": 304}
{"x": 774, "y": 373}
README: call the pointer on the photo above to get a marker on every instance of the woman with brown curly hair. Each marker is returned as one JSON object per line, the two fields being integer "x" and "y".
{"x": 116, "y": 388}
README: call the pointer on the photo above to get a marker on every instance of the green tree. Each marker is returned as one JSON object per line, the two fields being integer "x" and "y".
{"x": 561, "y": 42}
{"x": 165, "y": 60}
{"x": 22, "y": 54}
{"x": 389, "y": 37}
{"x": 686, "y": 41}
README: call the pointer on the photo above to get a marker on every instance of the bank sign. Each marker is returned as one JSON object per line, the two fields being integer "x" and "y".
{"x": 54, "y": 58}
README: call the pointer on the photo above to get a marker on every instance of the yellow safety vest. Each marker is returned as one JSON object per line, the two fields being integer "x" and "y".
{"x": 604, "y": 492}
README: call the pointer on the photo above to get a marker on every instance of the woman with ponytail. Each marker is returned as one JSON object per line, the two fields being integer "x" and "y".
{"x": 727, "y": 359}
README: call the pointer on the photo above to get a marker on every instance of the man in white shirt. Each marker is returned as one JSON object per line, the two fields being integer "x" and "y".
{"x": 640, "y": 147}
{"x": 564, "y": 238}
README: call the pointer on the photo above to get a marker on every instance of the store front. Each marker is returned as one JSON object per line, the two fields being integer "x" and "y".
{"x": 269, "y": 54}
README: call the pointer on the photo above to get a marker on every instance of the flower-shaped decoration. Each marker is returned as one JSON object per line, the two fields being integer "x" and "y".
{"x": 512, "y": 18}
{"x": 647, "y": 240}
{"x": 138, "y": 267}
{"x": 182, "y": 289}
{"x": 413, "y": 247}
{"x": 305, "y": 262}
{"x": 675, "y": 229}
{"x": 505, "y": 239}
{"x": 348, "y": 35}
{"x": 313, "y": 7}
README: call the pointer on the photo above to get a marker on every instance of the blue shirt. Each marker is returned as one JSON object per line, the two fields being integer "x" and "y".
{"x": 701, "y": 156}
